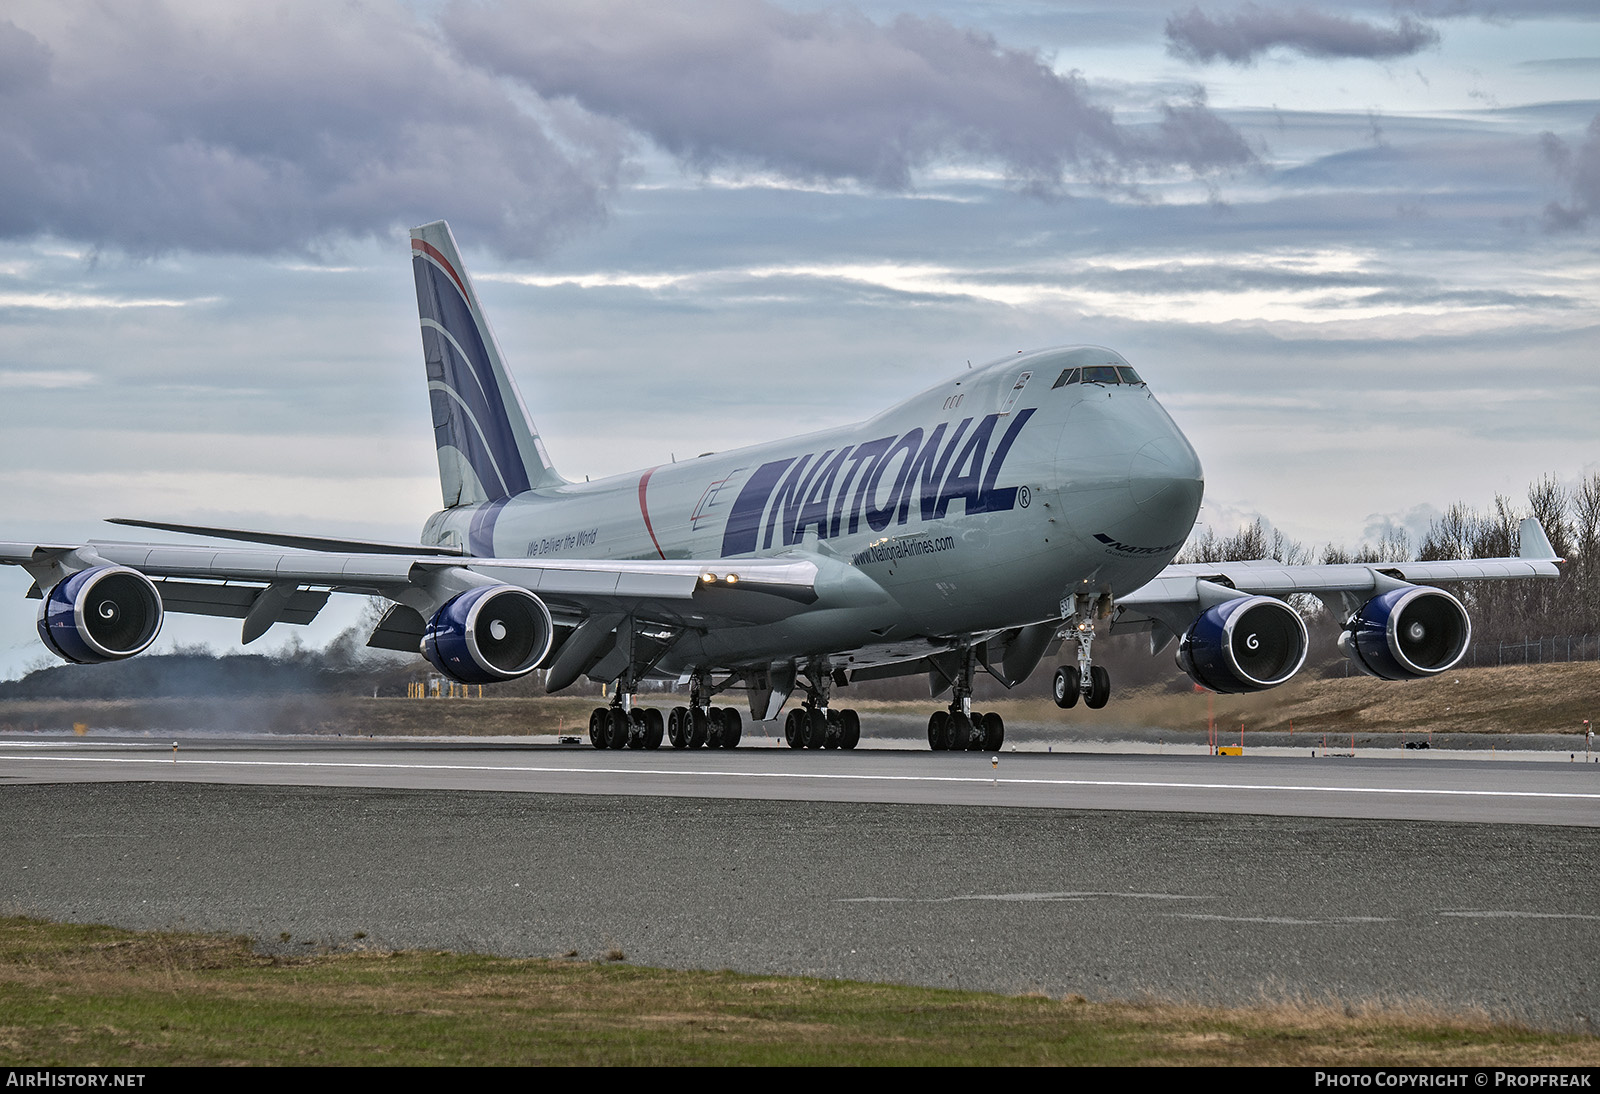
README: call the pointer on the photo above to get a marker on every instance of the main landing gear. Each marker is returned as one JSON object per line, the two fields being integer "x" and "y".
{"x": 1085, "y": 678}
{"x": 957, "y": 728}
{"x": 623, "y": 725}
{"x": 813, "y": 724}
{"x": 620, "y": 726}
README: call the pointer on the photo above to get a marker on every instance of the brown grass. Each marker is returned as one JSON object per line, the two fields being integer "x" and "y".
{"x": 79, "y": 995}
{"x": 1518, "y": 699}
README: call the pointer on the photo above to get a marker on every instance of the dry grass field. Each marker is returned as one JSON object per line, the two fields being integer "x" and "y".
{"x": 1524, "y": 699}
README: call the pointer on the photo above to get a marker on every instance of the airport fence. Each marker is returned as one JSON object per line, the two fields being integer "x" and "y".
{"x": 1535, "y": 651}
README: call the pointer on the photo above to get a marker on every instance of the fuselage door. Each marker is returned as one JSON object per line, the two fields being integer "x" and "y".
{"x": 1016, "y": 390}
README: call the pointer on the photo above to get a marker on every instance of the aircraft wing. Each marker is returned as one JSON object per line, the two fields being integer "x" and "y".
{"x": 1169, "y": 603}
{"x": 266, "y": 586}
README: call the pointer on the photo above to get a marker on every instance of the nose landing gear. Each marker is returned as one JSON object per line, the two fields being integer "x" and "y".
{"x": 1087, "y": 679}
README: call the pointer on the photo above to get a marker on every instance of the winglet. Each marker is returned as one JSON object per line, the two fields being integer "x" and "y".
{"x": 1533, "y": 543}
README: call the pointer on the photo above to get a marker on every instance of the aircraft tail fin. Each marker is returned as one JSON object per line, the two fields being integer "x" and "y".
{"x": 488, "y": 446}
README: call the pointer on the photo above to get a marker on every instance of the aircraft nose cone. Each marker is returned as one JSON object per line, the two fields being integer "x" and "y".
{"x": 1165, "y": 475}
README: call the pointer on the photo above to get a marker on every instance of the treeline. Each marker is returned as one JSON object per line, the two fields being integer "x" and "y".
{"x": 1501, "y": 610}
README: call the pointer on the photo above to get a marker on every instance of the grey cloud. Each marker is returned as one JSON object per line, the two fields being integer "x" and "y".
{"x": 150, "y": 126}
{"x": 1579, "y": 168}
{"x": 1250, "y": 31}
{"x": 829, "y": 95}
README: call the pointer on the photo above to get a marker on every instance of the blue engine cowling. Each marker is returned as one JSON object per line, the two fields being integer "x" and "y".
{"x": 1247, "y": 644}
{"x": 101, "y": 614}
{"x": 1406, "y": 634}
{"x": 488, "y": 634}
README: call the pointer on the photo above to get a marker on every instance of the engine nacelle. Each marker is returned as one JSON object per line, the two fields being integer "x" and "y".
{"x": 1406, "y": 634}
{"x": 101, "y": 614}
{"x": 487, "y": 634}
{"x": 1247, "y": 644}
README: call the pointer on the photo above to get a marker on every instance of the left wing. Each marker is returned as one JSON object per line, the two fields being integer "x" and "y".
{"x": 1237, "y": 634}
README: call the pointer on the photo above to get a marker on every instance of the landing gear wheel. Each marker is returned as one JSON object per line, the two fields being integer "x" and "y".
{"x": 1067, "y": 685}
{"x": 794, "y": 729}
{"x": 675, "y": 727}
{"x": 994, "y": 732}
{"x": 939, "y": 730}
{"x": 600, "y": 727}
{"x": 1099, "y": 688}
{"x": 636, "y": 727}
{"x": 816, "y": 728}
{"x": 849, "y": 729}
{"x": 966, "y": 739}
{"x": 653, "y": 728}
{"x": 732, "y": 729}
{"x": 698, "y": 726}
{"x": 713, "y": 727}
{"x": 835, "y": 730}
{"x": 619, "y": 723}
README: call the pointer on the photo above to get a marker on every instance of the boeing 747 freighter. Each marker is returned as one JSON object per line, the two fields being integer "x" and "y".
{"x": 970, "y": 529}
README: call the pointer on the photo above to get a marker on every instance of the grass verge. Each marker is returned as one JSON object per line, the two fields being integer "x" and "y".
{"x": 76, "y": 995}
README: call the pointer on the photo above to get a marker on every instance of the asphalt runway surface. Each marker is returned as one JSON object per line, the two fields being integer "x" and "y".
{"x": 1389, "y": 784}
{"x": 1227, "y": 889}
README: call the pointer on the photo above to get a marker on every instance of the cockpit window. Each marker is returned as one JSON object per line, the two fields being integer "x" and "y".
{"x": 1092, "y": 365}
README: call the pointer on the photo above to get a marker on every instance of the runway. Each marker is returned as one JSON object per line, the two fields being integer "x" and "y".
{"x": 1376, "y": 786}
{"x": 1113, "y": 877}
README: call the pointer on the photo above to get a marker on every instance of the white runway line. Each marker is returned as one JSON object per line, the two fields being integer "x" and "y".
{"x": 962, "y": 779}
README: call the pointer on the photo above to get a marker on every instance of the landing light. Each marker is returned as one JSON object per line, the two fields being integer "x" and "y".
{"x": 709, "y": 578}
{"x": 733, "y": 579}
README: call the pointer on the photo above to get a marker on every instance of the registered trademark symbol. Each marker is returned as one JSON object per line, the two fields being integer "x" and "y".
{"x": 1024, "y": 496}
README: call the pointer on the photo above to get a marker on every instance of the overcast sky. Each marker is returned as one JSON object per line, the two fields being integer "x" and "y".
{"x": 1353, "y": 247}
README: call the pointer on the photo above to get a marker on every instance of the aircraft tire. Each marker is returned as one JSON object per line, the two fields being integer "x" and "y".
{"x": 600, "y": 728}
{"x": 618, "y": 720}
{"x": 697, "y": 727}
{"x": 713, "y": 727}
{"x": 960, "y": 732}
{"x": 835, "y": 731}
{"x": 675, "y": 732}
{"x": 939, "y": 730}
{"x": 850, "y": 726}
{"x": 636, "y": 727}
{"x": 1099, "y": 688}
{"x": 654, "y": 727}
{"x": 816, "y": 729}
{"x": 793, "y": 734}
{"x": 1066, "y": 686}
{"x": 994, "y": 732}
{"x": 732, "y": 727}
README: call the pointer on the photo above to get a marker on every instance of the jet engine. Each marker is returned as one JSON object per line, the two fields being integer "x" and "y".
{"x": 101, "y": 614}
{"x": 1250, "y": 643}
{"x": 1408, "y": 633}
{"x": 488, "y": 634}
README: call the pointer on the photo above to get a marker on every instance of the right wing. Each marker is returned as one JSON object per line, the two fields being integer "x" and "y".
{"x": 105, "y": 600}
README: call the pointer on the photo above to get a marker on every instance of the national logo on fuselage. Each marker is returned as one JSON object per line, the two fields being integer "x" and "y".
{"x": 875, "y": 484}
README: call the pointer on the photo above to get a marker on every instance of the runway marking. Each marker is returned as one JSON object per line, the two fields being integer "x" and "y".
{"x": 1009, "y": 897}
{"x": 1520, "y": 915}
{"x": 966, "y": 779}
{"x": 1284, "y": 921}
